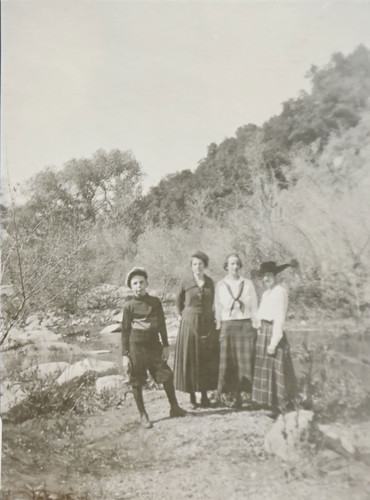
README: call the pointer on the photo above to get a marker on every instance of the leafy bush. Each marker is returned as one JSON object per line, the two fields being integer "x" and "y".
{"x": 325, "y": 387}
{"x": 45, "y": 397}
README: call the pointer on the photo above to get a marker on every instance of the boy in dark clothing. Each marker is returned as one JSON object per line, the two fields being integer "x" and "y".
{"x": 142, "y": 320}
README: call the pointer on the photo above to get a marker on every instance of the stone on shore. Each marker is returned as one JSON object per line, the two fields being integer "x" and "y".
{"x": 288, "y": 433}
{"x": 110, "y": 382}
{"x": 11, "y": 395}
{"x": 48, "y": 370}
{"x": 116, "y": 327}
{"x": 32, "y": 335}
{"x": 79, "y": 369}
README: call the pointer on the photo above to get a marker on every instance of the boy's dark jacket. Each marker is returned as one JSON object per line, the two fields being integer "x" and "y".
{"x": 142, "y": 320}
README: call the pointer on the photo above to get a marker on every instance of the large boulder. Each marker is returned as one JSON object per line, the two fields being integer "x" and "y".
{"x": 347, "y": 440}
{"x": 117, "y": 318}
{"x": 11, "y": 395}
{"x": 288, "y": 433}
{"x": 110, "y": 382}
{"x": 116, "y": 327}
{"x": 18, "y": 337}
{"x": 48, "y": 370}
{"x": 86, "y": 365}
{"x": 16, "y": 361}
{"x": 51, "y": 351}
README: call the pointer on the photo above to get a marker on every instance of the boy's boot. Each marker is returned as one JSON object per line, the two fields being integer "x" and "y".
{"x": 145, "y": 422}
{"x": 138, "y": 396}
{"x": 175, "y": 410}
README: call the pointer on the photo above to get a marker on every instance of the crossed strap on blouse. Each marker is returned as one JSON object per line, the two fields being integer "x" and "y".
{"x": 237, "y": 298}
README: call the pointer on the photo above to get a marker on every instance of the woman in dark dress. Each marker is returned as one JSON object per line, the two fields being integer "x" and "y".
{"x": 196, "y": 353}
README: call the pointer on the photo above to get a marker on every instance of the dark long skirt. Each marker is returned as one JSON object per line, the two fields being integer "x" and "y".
{"x": 196, "y": 354}
{"x": 237, "y": 351}
{"x": 274, "y": 382}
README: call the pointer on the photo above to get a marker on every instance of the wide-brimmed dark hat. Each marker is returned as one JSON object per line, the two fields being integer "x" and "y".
{"x": 135, "y": 271}
{"x": 271, "y": 267}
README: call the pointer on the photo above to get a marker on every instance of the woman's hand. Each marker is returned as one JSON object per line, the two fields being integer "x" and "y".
{"x": 271, "y": 350}
{"x": 165, "y": 353}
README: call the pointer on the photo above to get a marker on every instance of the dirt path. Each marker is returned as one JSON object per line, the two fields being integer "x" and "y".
{"x": 216, "y": 454}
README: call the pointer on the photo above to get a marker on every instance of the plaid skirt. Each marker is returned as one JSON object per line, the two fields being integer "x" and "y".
{"x": 237, "y": 351}
{"x": 274, "y": 382}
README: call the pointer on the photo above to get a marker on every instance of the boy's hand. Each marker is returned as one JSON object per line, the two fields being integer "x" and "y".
{"x": 126, "y": 363}
{"x": 165, "y": 353}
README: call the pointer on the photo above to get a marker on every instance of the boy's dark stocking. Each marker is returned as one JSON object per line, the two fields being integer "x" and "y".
{"x": 175, "y": 410}
{"x": 138, "y": 396}
{"x": 170, "y": 391}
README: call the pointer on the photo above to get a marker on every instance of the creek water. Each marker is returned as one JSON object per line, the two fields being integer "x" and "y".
{"x": 349, "y": 353}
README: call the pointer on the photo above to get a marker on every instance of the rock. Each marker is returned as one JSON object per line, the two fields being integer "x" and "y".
{"x": 31, "y": 336}
{"x": 33, "y": 319}
{"x": 11, "y": 395}
{"x": 172, "y": 334}
{"x": 329, "y": 461}
{"x": 50, "y": 350}
{"x": 6, "y": 291}
{"x": 15, "y": 361}
{"x": 116, "y": 327}
{"x": 348, "y": 440}
{"x": 110, "y": 382}
{"x": 98, "y": 352}
{"x": 10, "y": 341}
{"x": 48, "y": 322}
{"x": 117, "y": 318}
{"x": 86, "y": 365}
{"x": 48, "y": 370}
{"x": 360, "y": 438}
{"x": 287, "y": 434}
{"x": 335, "y": 438}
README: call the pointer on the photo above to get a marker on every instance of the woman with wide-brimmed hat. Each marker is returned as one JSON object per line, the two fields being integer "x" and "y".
{"x": 236, "y": 315}
{"x": 196, "y": 351}
{"x": 274, "y": 380}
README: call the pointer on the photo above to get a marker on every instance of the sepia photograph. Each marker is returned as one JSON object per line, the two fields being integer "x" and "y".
{"x": 185, "y": 250}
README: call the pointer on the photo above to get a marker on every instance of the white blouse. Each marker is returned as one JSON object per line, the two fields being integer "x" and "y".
{"x": 273, "y": 307}
{"x": 227, "y": 308}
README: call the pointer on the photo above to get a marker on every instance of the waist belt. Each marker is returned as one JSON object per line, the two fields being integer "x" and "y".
{"x": 192, "y": 309}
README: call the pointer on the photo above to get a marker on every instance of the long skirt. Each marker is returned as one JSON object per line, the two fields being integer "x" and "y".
{"x": 274, "y": 382}
{"x": 196, "y": 354}
{"x": 237, "y": 351}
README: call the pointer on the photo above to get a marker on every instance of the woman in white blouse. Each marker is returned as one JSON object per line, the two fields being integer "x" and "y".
{"x": 236, "y": 316}
{"x": 274, "y": 378}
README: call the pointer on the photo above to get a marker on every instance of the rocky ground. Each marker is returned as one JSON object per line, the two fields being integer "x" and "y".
{"x": 96, "y": 449}
{"x": 216, "y": 453}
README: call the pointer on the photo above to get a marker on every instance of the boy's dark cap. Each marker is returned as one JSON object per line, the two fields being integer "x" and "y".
{"x": 135, "y": 271}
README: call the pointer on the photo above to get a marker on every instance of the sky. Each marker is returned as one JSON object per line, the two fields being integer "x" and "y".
{"x": 162, "y": 79}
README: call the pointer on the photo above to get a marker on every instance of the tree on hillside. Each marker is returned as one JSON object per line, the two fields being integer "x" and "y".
{"x": 339, "y": 96}
{"x": 340, "y": 92}
{"x": 99, "y": 187}
{"x": 166, "y": 202}
{"x": 50, "y": 246}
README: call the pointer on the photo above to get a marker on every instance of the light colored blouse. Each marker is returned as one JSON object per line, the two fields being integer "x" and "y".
{"x": 273, "y": 307}
{"x": 241, "y": 303}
